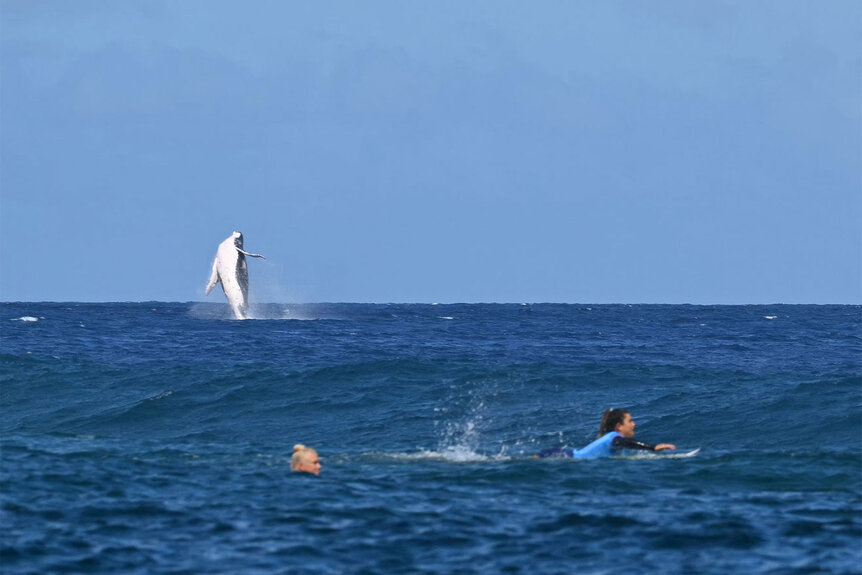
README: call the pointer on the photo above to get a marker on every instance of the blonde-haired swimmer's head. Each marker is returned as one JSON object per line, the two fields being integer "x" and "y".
{"x": 305, "y": 459}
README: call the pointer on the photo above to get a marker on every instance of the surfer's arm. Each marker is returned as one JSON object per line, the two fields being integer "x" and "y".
{"x": 621, "y": 442}
{"x": 213, "y": 277}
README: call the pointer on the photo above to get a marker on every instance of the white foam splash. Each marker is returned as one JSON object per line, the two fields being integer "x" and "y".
{"x": 284, "y": 312}
{"x": 462, "y": 437}
{"x": 454, "y": 454}
{"x": 27, "y": 318}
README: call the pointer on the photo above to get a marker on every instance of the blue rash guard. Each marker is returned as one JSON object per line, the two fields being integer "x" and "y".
{"x": 604, "y": 446}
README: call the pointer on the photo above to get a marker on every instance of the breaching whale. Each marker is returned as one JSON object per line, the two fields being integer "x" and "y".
{"x": 230, "y": 269}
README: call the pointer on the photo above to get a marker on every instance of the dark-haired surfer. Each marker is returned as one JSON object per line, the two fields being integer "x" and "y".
{"x": 616, "y": 432}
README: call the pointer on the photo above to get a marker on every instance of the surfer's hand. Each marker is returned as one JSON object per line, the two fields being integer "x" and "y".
{"x": 663, "y": 446}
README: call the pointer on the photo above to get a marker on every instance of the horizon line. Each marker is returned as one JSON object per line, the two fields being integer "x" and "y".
{"x": 520, "y": 303}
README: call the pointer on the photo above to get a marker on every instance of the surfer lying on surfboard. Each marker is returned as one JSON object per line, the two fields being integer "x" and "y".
{"x": 616, "y": 432}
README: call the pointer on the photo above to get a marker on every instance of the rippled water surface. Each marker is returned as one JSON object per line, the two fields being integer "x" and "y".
{"x": 155, "y": 438}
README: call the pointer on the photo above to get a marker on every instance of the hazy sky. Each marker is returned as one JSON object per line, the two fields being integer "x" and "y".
{"x": 570, "y": 151}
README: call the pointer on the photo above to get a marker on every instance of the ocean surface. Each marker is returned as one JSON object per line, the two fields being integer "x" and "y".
{"x": 156, "y": 438}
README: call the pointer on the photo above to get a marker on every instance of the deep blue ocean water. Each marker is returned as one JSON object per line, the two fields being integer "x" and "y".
{"x": 155, "y": 438}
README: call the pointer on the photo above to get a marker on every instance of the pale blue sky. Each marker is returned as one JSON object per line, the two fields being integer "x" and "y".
{"x": 584, "y": 152}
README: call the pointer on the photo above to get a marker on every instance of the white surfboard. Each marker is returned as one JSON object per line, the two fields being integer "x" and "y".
{"x": 666, "y": 454}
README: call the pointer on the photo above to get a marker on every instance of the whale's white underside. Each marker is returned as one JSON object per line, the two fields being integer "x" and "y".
{"x": 230, "y": 269}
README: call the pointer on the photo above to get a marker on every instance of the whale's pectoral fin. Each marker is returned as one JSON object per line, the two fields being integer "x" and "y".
{"x": 250, "y": 255}
{"x": 213, "y": 277}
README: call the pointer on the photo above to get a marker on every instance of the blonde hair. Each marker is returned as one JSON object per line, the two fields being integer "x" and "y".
{"x": 299, "y": 451}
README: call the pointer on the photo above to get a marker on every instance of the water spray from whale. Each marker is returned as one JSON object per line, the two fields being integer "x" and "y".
{"x": 230, "y": 269}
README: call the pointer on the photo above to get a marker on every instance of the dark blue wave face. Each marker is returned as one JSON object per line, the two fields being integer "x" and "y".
{"x": 156, "y": 438}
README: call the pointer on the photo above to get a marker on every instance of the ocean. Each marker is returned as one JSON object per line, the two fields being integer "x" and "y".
{"x": 156, "y": 438}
